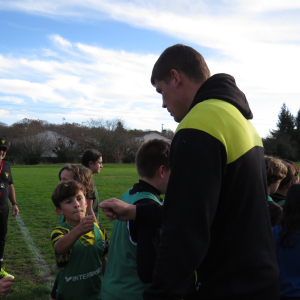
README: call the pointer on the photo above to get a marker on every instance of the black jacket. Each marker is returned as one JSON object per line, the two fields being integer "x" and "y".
{"x": 218, "y": 190}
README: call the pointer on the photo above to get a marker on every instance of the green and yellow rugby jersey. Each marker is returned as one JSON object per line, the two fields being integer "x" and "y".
{"x": 87, "y": 239}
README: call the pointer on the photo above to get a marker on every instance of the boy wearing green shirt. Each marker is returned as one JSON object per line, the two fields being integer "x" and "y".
{"x": 133, "y": 245}
{"x": 80, "y": 245}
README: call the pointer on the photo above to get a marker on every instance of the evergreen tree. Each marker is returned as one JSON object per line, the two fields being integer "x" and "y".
{"x": 286, "y": 121}
{"x": 297, "y": 133}
{"x": 297, "y": 120}
{"x": 283, "y": 142}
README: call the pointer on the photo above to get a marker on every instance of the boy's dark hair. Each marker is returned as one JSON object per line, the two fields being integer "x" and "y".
{"x": 289, "y": 175}
{"x": 90, "y": 155}
{"x": 276, "y": 170}
{"x": 291, "y": 217}
{"x": 183, "y": 59}
{"x": 65, "y": 190}
{"x": 150, "y": 156}
{"x": 81, "y": 174}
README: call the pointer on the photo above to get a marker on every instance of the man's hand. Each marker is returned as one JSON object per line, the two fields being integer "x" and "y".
{"x": 86, "y": 224}
{"x": 15, "y": 210}
{"x": 5, "y": 286}
{"x": 117, "y": 209}
{"x": 12, "y": 198}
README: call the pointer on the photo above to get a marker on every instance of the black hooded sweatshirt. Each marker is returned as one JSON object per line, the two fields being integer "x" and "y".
{"x": 215, "y": 217}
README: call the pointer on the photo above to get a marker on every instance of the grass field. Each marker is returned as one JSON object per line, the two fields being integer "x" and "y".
{"x": 30, "y": 258}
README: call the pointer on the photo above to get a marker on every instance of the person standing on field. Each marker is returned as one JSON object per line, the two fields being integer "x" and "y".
{"x": 7, "y": 191}
{"x": 217, "y": 186}
{"x": 92, "y": 159}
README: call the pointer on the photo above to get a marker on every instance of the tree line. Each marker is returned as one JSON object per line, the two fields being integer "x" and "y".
{"x": 284, "y": 142}
{"x": 38, "y": 141}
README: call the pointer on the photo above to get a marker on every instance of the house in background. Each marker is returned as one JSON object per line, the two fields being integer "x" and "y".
{"x": 149, "y": 135}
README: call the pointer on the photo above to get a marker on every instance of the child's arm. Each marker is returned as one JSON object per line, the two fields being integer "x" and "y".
{"x": 65, "y": 243}
{"x": 90, "y": 210}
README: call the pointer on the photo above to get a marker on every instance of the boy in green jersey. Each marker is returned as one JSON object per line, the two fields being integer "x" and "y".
{"x": 80, "y": 245}
{"x": 133, "y": 245}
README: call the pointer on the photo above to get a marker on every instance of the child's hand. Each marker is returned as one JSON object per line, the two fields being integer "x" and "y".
{"x": 5, "y": 286}
{"x": 86, "y": 225}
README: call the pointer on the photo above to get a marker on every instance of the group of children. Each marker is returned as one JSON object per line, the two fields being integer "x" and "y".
{"x": 284, "y": 210}
{"x": 81, "y": 246}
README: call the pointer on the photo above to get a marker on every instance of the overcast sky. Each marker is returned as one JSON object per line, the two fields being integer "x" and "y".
{"x": 77, "y": 60}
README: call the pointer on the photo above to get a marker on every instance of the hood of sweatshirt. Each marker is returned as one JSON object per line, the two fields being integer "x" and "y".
{"x": 223, "y": 87}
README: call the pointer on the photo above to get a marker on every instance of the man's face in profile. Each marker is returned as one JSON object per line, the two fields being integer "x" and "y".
{"x": 172, "y": 99}
{"x": 3, "y": 151}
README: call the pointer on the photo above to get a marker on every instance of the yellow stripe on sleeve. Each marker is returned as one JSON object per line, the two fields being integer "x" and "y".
{"x": 224, "y": 122}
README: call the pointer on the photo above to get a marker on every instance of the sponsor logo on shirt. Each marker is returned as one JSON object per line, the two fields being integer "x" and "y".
{"x": 83, "y": 276}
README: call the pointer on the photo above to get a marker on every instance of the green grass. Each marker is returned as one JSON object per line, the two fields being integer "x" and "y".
{"x": 34, "y": 186}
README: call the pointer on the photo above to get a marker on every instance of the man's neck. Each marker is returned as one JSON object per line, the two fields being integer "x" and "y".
{"x": 151, "y": 182}
{"x": 191, "y": 89}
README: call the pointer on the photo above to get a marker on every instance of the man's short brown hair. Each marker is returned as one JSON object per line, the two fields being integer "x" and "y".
{"x": 276, "y": 170}
{"x": 65, "y": 190}
{"x": 150, "y": 156}
{"x": 183, "y": 59}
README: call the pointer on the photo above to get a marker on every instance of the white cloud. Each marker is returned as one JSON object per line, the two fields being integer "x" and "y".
{"x": 8, "y": 116}
{"x": 258, "y": 6}
{"x": 12, "y": 99}
{"x": 256, "y": 41}
{"x": 91, "y": 82}
{"x": 48, "y": 53}
{"x": 57, "y": 39}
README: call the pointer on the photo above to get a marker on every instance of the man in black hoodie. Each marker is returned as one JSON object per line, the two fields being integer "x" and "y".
{"x": 215, "y": 217}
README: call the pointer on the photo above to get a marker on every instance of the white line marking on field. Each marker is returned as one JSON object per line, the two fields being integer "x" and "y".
{"x": 37, "y": 257}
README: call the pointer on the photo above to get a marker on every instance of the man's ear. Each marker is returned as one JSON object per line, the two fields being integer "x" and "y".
{"x": 59, "y": 211}
{"x": 289, "y": 184}
{"x": 176, "y": 76}
{"x": 91, "y": 163}
{"x": 160, "y": 171}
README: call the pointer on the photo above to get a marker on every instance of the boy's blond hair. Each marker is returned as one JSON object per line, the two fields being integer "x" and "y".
{"x": 276, "y": 170}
